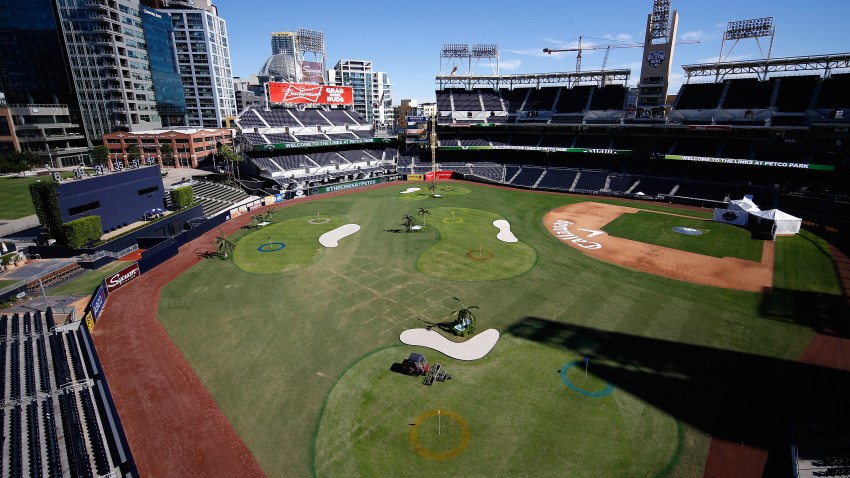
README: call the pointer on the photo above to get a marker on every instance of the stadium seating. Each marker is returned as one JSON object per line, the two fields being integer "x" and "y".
{"x": 611, "y": 97}
{"x": 464, "y": 100}
{"x": 621, "y": 183}
{"x": 573, "y": 100}
{"x": 703, "y": 190}
{"x": 558, "y": 179}
{"x": 541, "y": 99}
{"x": 593, "y": 141}
{"x": 795, "y": 92}
{"x": 491, "y": 100}
{"x": 746, "y": 93}
{"x": 833, "y": 93}
{"x": 255, "y": 138}
{"x": 514, "y": 99}
{"x": 698, "y": 96}
{"x": 652, "y": 186}
{"x": 591, "y": 182}
{"x": 527, "y": 176}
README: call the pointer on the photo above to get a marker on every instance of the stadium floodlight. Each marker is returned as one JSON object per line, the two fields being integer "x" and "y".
{"x": 312, "y": 41}
{"x": 485, "y": 50}
{"x": 752, "y": 28}
{"x": 455, "y": 50}
{"x": 659, "y": 24}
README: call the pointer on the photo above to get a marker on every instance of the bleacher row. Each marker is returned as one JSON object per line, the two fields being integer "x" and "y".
{"x": 280, "y": 118}
{"x": 52, "y": 421}
{"x": 299, "y": 162}
{"x": 213, "y": 197}
{"x": 557, "y": 99}
{"x": 274, "y": 138}
{"x": 785, "y": 94}
{"x": 761, "y": 149}
{"x": 586, "y": 181}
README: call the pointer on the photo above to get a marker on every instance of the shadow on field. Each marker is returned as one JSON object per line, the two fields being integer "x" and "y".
{"x": 737, "y": 396}
{"x": 824, "y": 313}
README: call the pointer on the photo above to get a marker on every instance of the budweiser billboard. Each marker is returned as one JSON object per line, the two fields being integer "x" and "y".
{"x": 311, "y": 72}
{"x": 310, "y": 94}
{"x": 440, "y": 175}
{"x": 122, "y": 277}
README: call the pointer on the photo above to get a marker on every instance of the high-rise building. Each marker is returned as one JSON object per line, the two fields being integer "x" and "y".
{"x": 372, "y": 90}
{"x": 167, "y": 83}
{"x": 203, "y": 59}
{"x": 296, "y": 57}
{"x": 105, "y": 45}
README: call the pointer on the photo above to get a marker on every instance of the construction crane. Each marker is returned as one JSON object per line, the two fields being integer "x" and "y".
{"x": 578, "y": 49}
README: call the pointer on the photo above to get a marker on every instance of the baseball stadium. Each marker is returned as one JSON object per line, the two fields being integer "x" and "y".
{"x": 552, "y": 275}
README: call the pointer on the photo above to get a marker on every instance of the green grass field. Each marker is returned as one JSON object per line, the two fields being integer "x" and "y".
{"x": 299, "y": 358}
{"x": 717, "y": 240}
{"x": 87, "y": 282}
{"x": 15, "y": 199}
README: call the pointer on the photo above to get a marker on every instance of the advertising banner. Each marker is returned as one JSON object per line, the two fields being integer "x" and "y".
{"x": 316, "y": 144}
{"x": 311, "y": 72}
{"x": 415, "y": 177}
{"x": 417, "y": 119}
{"x": 738, "y": 218}
{"x": 751, "y": 162}
{"x": 352, "y": 185}
{"x": 310, "y": 94}
{"x": 547, "y": 149}
{"x": 122, "y": 277}
{"x": 440, "y": 175}
{"x": 98, "y": 301}
{"x": 89, "y": 320}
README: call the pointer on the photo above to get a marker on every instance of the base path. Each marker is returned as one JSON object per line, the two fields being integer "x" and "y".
{"x": 473, "y": 349}
{"x": 578, "y": 226}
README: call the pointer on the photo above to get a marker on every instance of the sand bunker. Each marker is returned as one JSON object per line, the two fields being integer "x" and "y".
{"x": 473, "y": 349}
{"x": 505, "y": 234}
{"x": 331, "y": 238}
{"x": 410, "y": 190}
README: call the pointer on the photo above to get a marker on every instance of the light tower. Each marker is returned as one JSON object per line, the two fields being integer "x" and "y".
{"x": 753, "y": 28}
{"x": 657, "y": 59}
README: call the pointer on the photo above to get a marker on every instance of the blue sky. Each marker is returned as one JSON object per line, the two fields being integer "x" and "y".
{"x": 404, "y": 39}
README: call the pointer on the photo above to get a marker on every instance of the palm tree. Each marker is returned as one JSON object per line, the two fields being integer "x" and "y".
{"x": 269, "y": 215}
{"x": 256, "y": 219}
{"x": 422, "y": 213}
{"x": 408, "y": 221}
{"x": 465, "y": 319}
{"x": 223, "y": 245}
{"x": 432, "y": 187}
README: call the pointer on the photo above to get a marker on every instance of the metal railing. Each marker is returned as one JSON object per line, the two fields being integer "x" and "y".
{"x": 101, "y": 254}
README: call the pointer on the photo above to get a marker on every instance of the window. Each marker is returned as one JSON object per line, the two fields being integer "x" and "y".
{"x": 197, "y": 140}
{"x": 83, "y": 208}
{"x": 148, "y": 190}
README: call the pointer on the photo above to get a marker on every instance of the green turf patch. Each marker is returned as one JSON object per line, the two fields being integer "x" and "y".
{"x": 468, "y": 250}
{"x": 7, "y": 283}
{"x": 87, "y": 282}
{"x": 300, "y": 237}
{"x": 15, "y": 200}
{"x": 803, "y": 263}
{"x": 378, "y": 423}
{"x": 717, "y": 239}
{"x": 423, "y": 193}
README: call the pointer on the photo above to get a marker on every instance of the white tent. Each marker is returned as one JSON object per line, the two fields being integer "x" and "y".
{"x": 785, "y": 223}
{"x": 746, "y": 205}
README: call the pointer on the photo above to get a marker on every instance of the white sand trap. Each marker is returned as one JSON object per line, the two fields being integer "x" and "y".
{"x": 331, "y": 238}
{"x": 473, "y": 349}
{"x": 411, "y": 190}
{"x": 505, "y": 234}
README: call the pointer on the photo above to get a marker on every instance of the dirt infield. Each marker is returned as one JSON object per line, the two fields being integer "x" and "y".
{"x": 173, "y": 425}
{"x": 578, "y": 226}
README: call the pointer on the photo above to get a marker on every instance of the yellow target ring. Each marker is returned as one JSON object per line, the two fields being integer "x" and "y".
{"x": 446, "y": 455}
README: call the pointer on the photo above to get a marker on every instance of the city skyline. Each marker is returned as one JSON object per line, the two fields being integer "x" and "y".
{"x": 407, "y": 44}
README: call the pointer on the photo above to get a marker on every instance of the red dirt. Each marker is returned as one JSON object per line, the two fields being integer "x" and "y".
{"x": 133, "y": 256}
{"x": 172, "y": 423}
{"x": 726, "y": 272}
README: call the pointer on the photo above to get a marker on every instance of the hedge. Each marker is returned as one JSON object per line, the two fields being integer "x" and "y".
{"x": 181, "y": 197}
{"x": 80, "y": 232}
{"x": 46, "y": 203}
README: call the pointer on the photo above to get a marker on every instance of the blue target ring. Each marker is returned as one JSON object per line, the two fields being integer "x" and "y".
{"x": 608, "y": 390}
{"x": 271, "y": 246}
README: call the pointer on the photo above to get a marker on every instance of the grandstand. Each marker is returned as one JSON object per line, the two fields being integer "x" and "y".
{"x": 57, "y": 417}
{"x": 214, "y": 197}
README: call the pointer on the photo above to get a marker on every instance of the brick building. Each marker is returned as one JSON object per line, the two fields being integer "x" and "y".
{"x": 189, "y": 146}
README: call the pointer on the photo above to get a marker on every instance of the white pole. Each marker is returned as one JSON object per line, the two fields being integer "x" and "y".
{"x": 585, "y": 367}
{"x": 439, "y": 423}
{"x": 43, "y": 295}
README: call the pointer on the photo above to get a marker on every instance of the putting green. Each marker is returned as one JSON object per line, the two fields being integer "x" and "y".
{"x": 379, "y": 423}
{"x": 468, "y": 250}
{"x": 423, "y": 193}
{"x": 302, "y": 245}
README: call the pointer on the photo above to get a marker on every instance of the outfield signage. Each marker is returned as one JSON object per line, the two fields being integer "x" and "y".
{"x": 310, "y": 94}
{"x": 89, "y": 320}
{"x": 415, "y": 177}
{"x": 547, "y": 149}
{"x": 751, "y": 162}
{"x": 561, "y": 229}
{"x": 352, "y": 185}
{"x": 98, "y": 301}
{"x": 429, "y": 176}
{"x": 315, "y": 144}
{"x": 122, "y": 277}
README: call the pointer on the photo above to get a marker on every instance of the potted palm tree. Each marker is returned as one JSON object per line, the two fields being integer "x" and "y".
{"x": 464, "y": 323}
{"x": 223, "y": 245}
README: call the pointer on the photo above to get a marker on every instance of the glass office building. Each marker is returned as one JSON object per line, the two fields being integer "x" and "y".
{"x": 167, "y": 83}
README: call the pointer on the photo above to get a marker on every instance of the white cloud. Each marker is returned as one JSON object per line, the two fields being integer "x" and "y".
{"x": 511, "y": 64}
{"x": 713, "y": 59}
{"x": 692, "y": 35}
{"x": 621, "y": 37}
{"x": 554, "y": 41}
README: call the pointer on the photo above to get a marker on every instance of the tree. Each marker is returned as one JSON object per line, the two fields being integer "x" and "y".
{"x": 465, "y": 318}
{"x": 256, "y": 220}
{"x": 133, "y": 153}
{"x": 422, "y": 213}
{"x": 226, "y": 153}
{"x": 408, "y": 221}
{"x": 432, "y": 187}
{"x": 270, "y": 214}
{"x": 223, "y": 245}
{"x": 100, "y": 154}
{"x": 166, "y": 152}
